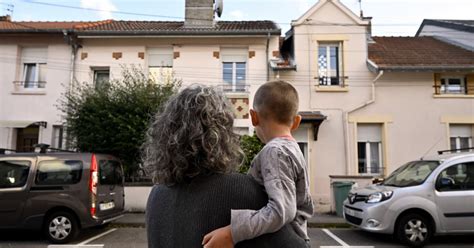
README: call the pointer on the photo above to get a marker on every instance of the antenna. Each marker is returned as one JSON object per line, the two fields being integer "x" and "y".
{"x": 431, "y": 148}
{"x": 218, "y": 7}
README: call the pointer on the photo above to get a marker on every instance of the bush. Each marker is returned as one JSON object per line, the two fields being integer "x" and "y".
{"x": 112, "y": 118}
{"x": 251, "y": 145}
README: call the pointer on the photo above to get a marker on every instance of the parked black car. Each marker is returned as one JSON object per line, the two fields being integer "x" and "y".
{"x": 60, "y": 193}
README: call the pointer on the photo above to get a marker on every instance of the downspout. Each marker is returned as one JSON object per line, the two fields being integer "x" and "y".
{"x": 363, "y": 105}
{"x": 72, "y": 76}
{"x": 267, "y": 58}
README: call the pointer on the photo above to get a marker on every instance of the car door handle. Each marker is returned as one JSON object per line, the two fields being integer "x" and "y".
{"x": 112, "y": 193}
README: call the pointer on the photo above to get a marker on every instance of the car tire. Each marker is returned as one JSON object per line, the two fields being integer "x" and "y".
{"x": 61, "y": 227}
{"x": 414, "y": 230}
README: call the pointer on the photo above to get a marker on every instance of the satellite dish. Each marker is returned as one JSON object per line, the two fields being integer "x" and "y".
{"x": 218, "y": 7}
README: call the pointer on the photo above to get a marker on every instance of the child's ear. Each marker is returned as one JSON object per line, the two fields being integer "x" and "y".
{"x": 296, "y": 122}
{"x": 254, "y": 117}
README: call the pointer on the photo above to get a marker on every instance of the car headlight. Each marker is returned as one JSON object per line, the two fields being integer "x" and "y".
{"x": 379, "y": 196}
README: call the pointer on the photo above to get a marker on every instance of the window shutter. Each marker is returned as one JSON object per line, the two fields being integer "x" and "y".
{"x": 470, "y": 84}
{"x": 234, "y": 54}
{"x": 34, "y": 55}
{"x": 369, "y": 132}
{"x": 437, "y": 83}
{"x": 160, "y": 57}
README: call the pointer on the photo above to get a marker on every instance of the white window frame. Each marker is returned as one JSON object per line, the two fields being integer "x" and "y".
{"x": 234, "y": 84}
{"x": 330, "y": 71}
{"x": 444, "y": 88}
{"x": 97, "y": 70}
{"x": 160, "y": 73}
{"x": 368, "y": 158}
{"x": 36, "y": 83}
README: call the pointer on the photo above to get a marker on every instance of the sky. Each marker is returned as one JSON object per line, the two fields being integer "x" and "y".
{"x": 390, "y": 17}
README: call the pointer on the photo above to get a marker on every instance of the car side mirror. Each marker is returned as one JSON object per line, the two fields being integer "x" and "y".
{"x": 446, "y": 182}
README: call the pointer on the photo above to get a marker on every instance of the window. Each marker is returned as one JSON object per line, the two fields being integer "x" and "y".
{"x": 101, "y": 76}
{"x": 34, "y": 68}
{"x": 456, "y": 177}
{"x": 13, "y": 174}
{"x": 330, "y": 64}
{"x": 160, "y": 64}
{"x": 234, "y": 69}
{"x": 110, "y": 172}
{"x": 59, "y": 172}
{"x": 369, "y": 148}
{"x": 57, "y": 139}
{"x": 461, "y": 136}
{"x": 453, "y": 85}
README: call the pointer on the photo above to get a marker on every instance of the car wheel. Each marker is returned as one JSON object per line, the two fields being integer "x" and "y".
{"x": 61, "y": 227}
{"x": 414, "y": 230}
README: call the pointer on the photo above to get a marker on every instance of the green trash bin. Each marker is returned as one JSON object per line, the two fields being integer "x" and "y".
{"x": 341, "y": 190}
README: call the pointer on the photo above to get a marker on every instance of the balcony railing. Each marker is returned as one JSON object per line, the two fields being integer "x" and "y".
{"x": 30, "y": 84}
{"x": 236, "y": 88}
{"x": 29, "y": 87}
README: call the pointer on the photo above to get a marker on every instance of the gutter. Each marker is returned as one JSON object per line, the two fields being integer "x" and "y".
{"x": 346, "y": 116}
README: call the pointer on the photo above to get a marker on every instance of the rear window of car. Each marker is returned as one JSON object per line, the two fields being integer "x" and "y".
{"x": 13, "y": 173}
{"x": 59, "y": 172}
{"x": 110, "y": 172}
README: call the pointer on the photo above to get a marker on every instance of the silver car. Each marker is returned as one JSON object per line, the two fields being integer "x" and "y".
{"x": 418, "y": 200}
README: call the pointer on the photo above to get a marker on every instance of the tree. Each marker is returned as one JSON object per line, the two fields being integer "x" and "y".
{"x": 112, "y": 118}
{"x": 251, "y": 145}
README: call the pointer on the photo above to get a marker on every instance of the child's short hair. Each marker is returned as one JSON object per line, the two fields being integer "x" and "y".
{"x": 277, "y": 100}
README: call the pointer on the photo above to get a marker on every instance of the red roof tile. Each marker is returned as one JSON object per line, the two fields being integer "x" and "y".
{"x": 418, "y": 53}
{"x": 140, "y": 27}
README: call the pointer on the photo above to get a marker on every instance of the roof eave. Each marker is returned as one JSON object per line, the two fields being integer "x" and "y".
{"x": 178, "y": 33}
{"x": 426, "y": 68}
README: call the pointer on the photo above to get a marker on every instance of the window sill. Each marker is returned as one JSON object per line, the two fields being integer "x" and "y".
{"x": 332, "y": 88}
{"x": 452, "y": 96}
{"x": 29, "y": 92}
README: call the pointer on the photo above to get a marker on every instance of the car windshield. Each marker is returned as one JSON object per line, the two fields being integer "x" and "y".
{"x": 411, "y": 174}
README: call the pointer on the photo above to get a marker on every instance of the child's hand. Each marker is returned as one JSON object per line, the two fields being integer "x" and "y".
{"x": 219, "y": 238}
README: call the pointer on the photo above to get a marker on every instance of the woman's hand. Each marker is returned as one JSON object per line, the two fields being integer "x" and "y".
{"x": 219, "y": 238}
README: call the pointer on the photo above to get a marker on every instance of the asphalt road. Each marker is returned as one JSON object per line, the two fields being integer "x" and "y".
{"x": 136, "y": 238}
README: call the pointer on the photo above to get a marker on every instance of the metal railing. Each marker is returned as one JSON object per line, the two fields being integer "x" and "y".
{"x": 237, "y": 88}
{"x": 29, "y": 84}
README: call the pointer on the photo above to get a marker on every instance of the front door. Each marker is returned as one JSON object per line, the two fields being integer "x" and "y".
{"x": 26, "y": 139}
{"x": 14, "y": 174}
{"x": 455, "y": 199}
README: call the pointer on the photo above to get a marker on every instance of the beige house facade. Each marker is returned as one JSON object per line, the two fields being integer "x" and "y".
{"x": 388, "y": 100}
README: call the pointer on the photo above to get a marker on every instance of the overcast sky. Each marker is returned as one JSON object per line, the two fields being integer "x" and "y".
{"x": 390, "y": 17}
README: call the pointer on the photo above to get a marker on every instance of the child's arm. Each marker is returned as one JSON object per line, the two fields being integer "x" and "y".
{"x": 277, "y": 171}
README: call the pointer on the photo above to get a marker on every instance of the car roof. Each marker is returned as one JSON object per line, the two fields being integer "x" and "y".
{"x": 59, "y": 155}
{"x": 449, "y": 156}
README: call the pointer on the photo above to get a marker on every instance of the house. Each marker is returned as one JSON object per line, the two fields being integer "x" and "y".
{"x": 46, "y": 58}
{"x": 456, "y": 32}
{"x": 388, "y": 100}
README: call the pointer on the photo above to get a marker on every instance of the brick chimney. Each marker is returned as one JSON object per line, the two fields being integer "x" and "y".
{"x": 5, "y": 18}
{"x": 199, "y": 14}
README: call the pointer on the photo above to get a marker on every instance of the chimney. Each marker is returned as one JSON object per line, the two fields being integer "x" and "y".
{"x": 5, "y": 18}
{"x": 199, "y": 14}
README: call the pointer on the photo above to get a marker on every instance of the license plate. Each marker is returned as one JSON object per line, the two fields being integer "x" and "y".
{"x": 349, "y": 211}
{"x": 106, "y": 206}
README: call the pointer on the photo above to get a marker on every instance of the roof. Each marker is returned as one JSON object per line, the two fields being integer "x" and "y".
{"x": 461, "y": 25}
{"x": 113, "y": 27}
{"x": 417, "y": 53}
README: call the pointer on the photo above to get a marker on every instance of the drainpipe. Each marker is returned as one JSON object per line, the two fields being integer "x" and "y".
{"x": 74, "y": 48}
{"x": 267, "y": 58}
{"x": 346, "y": 116}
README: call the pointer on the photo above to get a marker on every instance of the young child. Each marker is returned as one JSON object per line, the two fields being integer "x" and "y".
{"x": 280, "y": 167}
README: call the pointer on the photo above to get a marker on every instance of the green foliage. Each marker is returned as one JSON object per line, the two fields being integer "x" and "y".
{"x": 251, "y": 145}
{"x": 113, "y": 117}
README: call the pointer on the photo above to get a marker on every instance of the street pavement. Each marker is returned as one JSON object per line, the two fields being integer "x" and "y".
{"x": 130, "y": 232}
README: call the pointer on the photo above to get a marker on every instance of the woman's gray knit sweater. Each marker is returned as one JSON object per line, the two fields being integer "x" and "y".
{"x": 180, "y": 216}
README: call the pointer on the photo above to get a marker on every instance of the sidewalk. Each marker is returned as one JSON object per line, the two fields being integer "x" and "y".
{"x": 318, "y": 220}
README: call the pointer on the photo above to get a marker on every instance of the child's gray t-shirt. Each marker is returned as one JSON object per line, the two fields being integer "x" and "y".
{"x": 281, "y": 168}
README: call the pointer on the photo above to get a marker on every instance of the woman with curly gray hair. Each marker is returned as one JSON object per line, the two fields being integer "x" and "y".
{"x": 193, "y": 153}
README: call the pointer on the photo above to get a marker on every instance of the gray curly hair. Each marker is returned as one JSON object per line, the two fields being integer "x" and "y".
{"x": 191, "y": 136}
